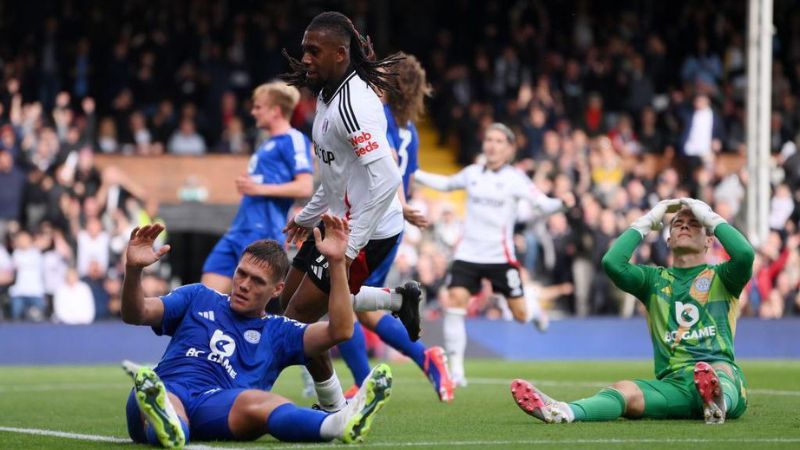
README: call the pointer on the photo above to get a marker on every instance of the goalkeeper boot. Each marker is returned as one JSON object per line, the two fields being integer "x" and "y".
{"x": 151, "y": 396}
{"x": 708, "y": 386}
{"x": 538, "y": 404}
{"x": 373, "y": 394}
{"x": 435, "y": 368}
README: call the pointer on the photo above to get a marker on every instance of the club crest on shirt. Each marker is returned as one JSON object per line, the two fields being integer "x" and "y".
{"x": 701, "y": 286}
{"x": 252, "y": 336}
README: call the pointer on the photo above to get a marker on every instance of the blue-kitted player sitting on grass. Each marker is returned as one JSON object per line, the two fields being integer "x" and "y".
{"x": 213, "y": 381}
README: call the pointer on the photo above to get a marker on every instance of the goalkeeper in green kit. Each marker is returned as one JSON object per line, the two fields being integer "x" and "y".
{"x": 691, "y": 312}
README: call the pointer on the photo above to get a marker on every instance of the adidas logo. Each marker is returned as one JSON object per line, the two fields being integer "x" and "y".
{"x": 207, "y": 315}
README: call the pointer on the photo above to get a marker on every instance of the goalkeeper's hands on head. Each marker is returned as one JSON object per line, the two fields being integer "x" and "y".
{"x": 703, "y": 213}
{"x": 653, "y": 220}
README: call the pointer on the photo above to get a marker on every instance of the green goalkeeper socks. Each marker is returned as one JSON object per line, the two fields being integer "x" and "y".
{"x": 607, "y": 404}
{"x": 729, "y": 390}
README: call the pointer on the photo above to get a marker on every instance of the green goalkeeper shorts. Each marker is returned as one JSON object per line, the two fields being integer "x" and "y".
{"x": 675, "y": 396}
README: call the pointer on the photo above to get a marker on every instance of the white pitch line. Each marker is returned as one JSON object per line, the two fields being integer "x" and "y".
{"x": 552, "y": 442}
{"x": 98, "y": 438}
{"x": 63, "y": 386}
{"x": 93, "y": 437}
{"x": 63, "y": 434}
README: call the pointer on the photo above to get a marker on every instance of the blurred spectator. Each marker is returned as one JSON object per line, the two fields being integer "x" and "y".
{"x": 6, "y": 279}
{"x": 781, "y": 207}
{"x": 93, "y": 248}
{"x": 186, "y": 141}
{"x": 448, "y": 228}
{"x": 703, "y": 66}
{"x": 27, "y": 292}
{"x": 702, "y": 135}
{"x": 56, "y": 259}
{"x": 95, "y": 278}
{"x": 13, "y": 181}
{"x": 73, "y": 303}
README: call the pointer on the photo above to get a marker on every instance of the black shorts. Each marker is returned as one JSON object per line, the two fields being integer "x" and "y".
{"x": 309, "y": 260}
{"x": 504, "y": 277}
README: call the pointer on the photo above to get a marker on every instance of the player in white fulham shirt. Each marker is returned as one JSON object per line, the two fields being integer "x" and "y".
{"x": 486, "y": 249}
{"x": 359, "y": 181}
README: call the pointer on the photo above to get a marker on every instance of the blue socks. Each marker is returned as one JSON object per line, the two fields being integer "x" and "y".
{"x": 354, "y": 353}
{"x": 392, "y": 331}
{"x": 152, "y": 439}
{"x": 290, "y": 423}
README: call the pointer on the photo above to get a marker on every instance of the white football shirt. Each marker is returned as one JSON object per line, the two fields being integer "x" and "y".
{"x": 358, "y": 175}
{"x": 492, "y": 197}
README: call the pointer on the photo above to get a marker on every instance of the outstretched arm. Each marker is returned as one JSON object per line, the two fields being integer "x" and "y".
{"x": 441, "y": 182}
{"x": 321, "y": 336}
{"x": 297, "y": 227}
{"x": 136, "y": 308}
{"x": 302, "y": 186}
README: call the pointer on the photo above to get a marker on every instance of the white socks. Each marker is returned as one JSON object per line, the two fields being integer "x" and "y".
{"x": 329, "y": 393}
{"x": 455, "y": 340}
{"x": 532, "y": 308}
{"x": 333, "y": 425}
{"x": 377, "y": 299}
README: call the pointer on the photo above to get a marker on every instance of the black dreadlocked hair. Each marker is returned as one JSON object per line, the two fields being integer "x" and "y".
{"x": 362, "y": 55}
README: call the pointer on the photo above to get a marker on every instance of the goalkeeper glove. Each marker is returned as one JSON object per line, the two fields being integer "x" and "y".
{"x": 703, "y": 213}
{"x": 653, "y": 220}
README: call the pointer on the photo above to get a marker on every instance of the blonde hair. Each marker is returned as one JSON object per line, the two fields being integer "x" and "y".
{"x": 281, "y": 94}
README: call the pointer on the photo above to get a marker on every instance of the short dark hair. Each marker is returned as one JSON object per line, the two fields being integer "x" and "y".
{"x": 362, "y": 55}
{"x": 272, "y": 254}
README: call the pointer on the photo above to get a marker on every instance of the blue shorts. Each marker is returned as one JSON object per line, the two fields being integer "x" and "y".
{"x": 225, "y": 256}
{"x": 207, "y": 409}
{"x": 377, "y": 277}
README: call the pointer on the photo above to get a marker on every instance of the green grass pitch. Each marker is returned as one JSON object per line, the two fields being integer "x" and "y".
{"x": 90, "y": 401}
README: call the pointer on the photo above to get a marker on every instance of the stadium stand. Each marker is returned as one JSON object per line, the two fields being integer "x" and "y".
{"x": 93, "y": 117}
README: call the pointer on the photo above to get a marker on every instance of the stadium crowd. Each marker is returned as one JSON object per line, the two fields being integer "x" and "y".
{"x": 613, "y": 110}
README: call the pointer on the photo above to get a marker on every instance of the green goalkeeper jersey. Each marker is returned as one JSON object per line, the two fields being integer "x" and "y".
{"x": 691, "y": 312}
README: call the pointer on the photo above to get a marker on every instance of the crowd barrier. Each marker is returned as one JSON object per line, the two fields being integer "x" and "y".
{"x": 600, "y": 338}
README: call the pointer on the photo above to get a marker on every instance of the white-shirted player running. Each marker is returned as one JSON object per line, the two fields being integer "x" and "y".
{"x": 359, "y": 181}
{"x": 486, "y": 250}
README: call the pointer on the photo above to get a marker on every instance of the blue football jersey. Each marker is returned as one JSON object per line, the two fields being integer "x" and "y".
{"x": 277, "y": 161}
{"x": 391, "y": 127}
{"x": 213, "y": 346}
{"x": 405, "y": 141}
{"x": 407, "y": 153}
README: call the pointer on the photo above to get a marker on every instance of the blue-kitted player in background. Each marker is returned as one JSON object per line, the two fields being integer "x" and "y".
{"x": 213, "y": 381}
{"x": 279, "y": 172}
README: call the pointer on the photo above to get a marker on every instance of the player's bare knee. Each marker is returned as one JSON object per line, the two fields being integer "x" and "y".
{"x": 250, "y": 412}
{"x": 457, "y": 298}
{"x": 370, "y": 319}
{"x": 520, "y": 314}
{"x": 634, "y": 398}
{"x": 177, "y": 405}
